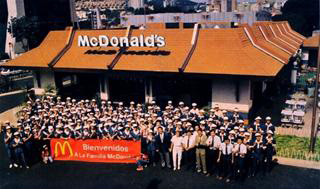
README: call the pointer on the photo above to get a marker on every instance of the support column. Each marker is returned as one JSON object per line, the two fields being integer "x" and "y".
{"x": 104, "y": 88}
{"x": 148, "y": 91}
{"x": 212, "y": 94}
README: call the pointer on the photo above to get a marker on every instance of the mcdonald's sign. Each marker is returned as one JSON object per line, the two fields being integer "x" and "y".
{"x": 107, "y": 151}
{"x": 62, "y": 147}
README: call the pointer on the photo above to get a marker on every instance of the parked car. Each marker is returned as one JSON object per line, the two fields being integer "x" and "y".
{"x": 8, "y": 72}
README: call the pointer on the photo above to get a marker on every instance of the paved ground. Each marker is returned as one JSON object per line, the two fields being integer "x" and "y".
{"x": 91, "y": 175}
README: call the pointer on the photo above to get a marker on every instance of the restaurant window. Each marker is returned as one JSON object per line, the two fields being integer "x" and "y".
{"x": 188, "y": 25}
{"x": 172, "y": 25}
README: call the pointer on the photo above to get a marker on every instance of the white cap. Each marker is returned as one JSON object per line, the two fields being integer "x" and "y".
{"x": 270, "y": 132}
{"x": 268, "y": 118}
{"x": 232, "y": 132}
{"x": 194, "y": 104}
{"x": 258, "y": 118}
{"x": 225, "y": 118}
{"x": 258, "y": 134}
{"x": 169, "y": 102}
{"x": 181, "y": 103}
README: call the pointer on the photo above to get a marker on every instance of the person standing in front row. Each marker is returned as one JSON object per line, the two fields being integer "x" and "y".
{"x": 162, "y": 147}
{"x": 213, "y": 144}
{"x": 176, "y": 148}
{"x": 17, "y": 145}
{"x": 200, "y": 144}
{"x": 225, "y": 160}
{"x": 239, "y": 153}
{"x": 189, "y": 154}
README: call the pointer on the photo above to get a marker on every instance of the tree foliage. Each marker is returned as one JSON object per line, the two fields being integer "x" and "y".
{"x": 25, "y": 30}
{"x": 303, "y": 15}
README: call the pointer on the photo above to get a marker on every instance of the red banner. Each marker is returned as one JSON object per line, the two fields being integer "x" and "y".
{"x": 108, "y": 151}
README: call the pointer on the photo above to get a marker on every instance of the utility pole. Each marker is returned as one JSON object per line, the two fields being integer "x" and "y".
{"x": 314, "y": 128}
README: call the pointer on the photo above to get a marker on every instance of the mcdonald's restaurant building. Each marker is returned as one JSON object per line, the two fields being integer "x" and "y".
{"x": 207, "y": 63}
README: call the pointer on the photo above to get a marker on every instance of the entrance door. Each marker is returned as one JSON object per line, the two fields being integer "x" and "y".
{"x": 126, "y": 90}
{"x": 188, "y": 90}
{"x": 79, "y": 85}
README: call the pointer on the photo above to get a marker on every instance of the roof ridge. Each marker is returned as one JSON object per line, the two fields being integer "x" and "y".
{"x": 251, "y": 38}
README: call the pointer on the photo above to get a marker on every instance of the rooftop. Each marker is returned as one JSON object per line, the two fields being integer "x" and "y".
{"x": 259, "y": 50}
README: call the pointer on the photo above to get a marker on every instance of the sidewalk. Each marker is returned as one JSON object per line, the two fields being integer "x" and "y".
{"x": 298, "y": 163}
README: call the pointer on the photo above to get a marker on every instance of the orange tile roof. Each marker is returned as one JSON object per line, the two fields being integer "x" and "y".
{"x": 282, "y": 37}
{"x": 284, "y": 27}
{"x": 292, "y": 40}
{"x": 264, "y": 27}
{"x": 218, "y": 51}
{"x": 178, "y": 42}
{"x": 229, "y": 51}
{"x": 78, "y": 57}
{"x": 259, "y": 39}
{"x": 312, "y": 42}
{"x": 42, "y": 55}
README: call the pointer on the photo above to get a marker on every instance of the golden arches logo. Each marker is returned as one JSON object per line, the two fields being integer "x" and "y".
{"x": 63, "y": 148}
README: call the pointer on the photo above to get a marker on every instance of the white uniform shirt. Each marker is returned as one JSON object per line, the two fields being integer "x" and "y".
{"x": 177, "y": 142}
{"x": 191, "y": 141}
{"x": 223, "y": 148}
{"x": 216, "y": 142}
{"x": 240, "y": 149}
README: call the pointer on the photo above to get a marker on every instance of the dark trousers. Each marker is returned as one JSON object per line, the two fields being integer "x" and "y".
{"x": 20, "y": 158}
{"x": 225, "y": 166}
{"x": 212, "y": 161}
{"x": 10, "y": 154}
{"x": 269, "y": 162}
{"x": 152, "y": 155}
{"x": 239, "y": 167}
{"x": 257, "y": 164}
{"x": 189, "y": 158}
{"x": 28, "y": 151}
{"x": 165, "y": 159}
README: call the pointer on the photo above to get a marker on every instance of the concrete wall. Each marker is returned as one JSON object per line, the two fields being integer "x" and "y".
{"x": 248, "y": 17}
{"x": 223, "y": 94}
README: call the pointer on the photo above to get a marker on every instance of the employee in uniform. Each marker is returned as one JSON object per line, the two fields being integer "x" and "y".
{"x": 239, "y": 153}
{"x": 8, "y": 137}
{"x": 270, "y": 149}
{"x": 225, "y": 160}
{"x": 201, "y": 144}
{"x": 17, "y": 146}
{"x": 27, "y": 138}
{"x": 176, "y": 148}
{"x": 213, "y": 144}
{"x": 189, "y": 153}
{"x": 258, "y": 147}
